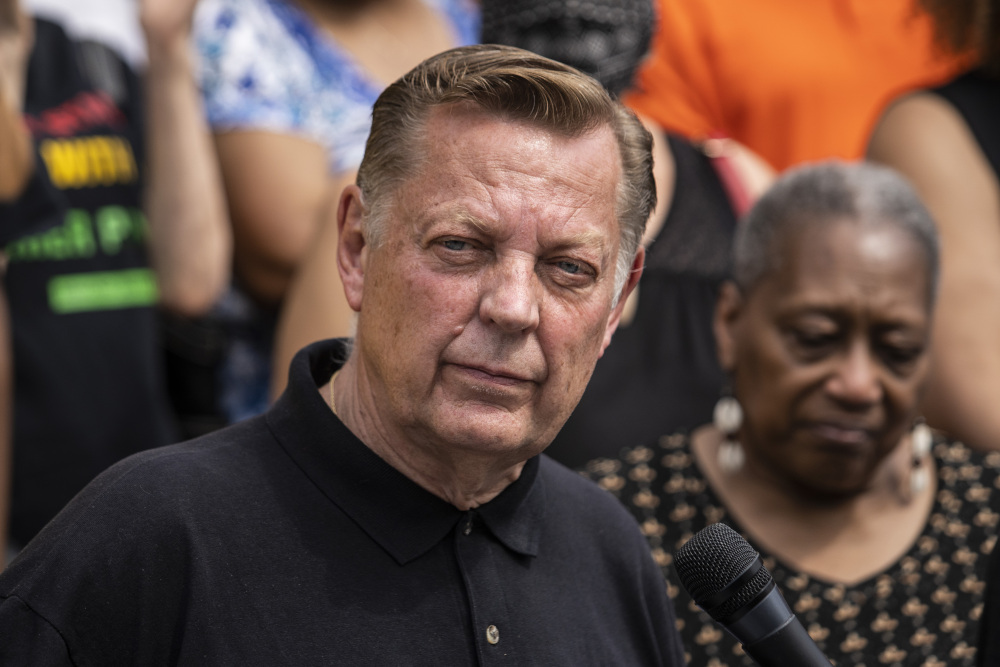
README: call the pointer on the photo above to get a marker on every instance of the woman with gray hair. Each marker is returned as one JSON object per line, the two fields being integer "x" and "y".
{"x": 876, "y": 530}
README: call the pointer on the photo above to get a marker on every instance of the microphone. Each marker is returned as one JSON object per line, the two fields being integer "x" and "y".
{"x": 725, "y": 577}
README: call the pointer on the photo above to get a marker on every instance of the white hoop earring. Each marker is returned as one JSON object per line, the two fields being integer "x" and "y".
{"x": 728, "y": 418}
{"x": 921, "y": 440}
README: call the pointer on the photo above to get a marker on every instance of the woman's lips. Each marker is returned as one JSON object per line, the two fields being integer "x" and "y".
{"x": 843, "y": 434}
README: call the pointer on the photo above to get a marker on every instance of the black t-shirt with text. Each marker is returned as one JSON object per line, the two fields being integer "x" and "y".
{"x": 88, "y": 382}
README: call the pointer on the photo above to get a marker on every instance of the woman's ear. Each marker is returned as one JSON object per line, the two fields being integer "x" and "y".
{"x": 728, "y": 308}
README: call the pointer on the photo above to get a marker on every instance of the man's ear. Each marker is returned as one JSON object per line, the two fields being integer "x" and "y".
{"x": 352, "y": 250}
{"x": 728, "y": 308}
{"x": 616, "y": 315}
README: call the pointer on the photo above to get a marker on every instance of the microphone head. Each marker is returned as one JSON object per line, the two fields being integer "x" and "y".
{"x": 716, "y": 568}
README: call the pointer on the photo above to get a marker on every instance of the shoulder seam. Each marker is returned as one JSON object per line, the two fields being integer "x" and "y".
{"x": 69, "y": 653}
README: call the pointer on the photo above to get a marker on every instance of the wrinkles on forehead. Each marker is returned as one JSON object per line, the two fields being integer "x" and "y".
{"x": 567, "y": 184}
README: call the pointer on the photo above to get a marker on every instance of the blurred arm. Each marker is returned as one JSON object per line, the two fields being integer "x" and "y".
{"x": 277, "y": 187}
{"x": 16, "y": 167}
{"x": 190, "y": 238}
{"x": 15, "y": 150}
{"x": 926, "y": 139}
{"x": 315, "y": 307}
{"x": 16, "y": 160}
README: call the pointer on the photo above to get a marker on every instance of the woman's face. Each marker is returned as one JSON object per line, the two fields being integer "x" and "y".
{"x": 829, "y": 353}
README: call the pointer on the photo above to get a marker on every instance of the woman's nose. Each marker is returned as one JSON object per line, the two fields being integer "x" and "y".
{"x": 856, "y": 379}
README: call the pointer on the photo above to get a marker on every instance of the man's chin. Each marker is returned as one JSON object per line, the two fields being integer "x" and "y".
{"x": 495, "y": 435}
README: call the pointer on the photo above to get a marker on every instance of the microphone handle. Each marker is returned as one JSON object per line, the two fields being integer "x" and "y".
{"x": 791, "y": 646}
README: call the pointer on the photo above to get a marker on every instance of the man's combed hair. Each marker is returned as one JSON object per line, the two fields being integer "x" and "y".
{"x": 813, "y": 196}
{"x": 514, "y": 85}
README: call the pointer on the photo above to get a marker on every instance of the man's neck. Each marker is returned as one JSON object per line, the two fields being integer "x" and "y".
{"x": 464, "y": 479}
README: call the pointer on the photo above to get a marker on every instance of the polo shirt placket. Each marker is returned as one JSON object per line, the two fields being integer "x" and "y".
{"x": 475, "y": 550}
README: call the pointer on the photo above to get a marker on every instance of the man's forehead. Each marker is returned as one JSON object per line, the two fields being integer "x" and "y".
{"x": 470, "y": 142}
{"x": 464, "y": 118}
{"x": 485, "y": 171}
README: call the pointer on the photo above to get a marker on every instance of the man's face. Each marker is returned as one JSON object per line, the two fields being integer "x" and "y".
{"x": 488, "y": 300}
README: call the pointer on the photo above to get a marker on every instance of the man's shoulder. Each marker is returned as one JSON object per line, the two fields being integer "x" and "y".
{"x": 222, "y": 453}
{"x": 591, "y": 536}
{"x": 145, "y": 510}
{"x": 159, "y": 487}
{"x": 576, "y": 498}
{"x": 137, "y": 539}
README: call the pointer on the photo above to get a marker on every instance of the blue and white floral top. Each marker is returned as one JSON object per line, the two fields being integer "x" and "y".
{"x": 266, "y": 65}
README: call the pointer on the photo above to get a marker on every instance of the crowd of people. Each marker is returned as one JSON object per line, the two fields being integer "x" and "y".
{"x": 406, "y": 305}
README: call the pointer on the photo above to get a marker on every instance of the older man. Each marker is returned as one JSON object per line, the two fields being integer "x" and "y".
{"x": 394, "y": 509}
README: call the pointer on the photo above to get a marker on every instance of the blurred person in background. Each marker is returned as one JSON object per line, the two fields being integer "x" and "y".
{"x": 946, "y": 140}
{"x": 84, "y": 287}
{"x": 877, "y": 532}
{"x": 793, "y": 81}
{"x": 288, "y": 88}
{"x": 114, "y": 23}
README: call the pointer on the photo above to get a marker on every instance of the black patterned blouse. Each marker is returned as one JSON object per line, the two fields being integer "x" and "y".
{"x": 924, "y": 610}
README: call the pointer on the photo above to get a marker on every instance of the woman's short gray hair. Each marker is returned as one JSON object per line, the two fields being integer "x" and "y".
{"x": 817, "y": 194}
{"x": 514, "y": 85}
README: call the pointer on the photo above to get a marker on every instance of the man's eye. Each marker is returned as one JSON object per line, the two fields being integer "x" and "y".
{"x": 570, "y": 267}
{"x": 455, "y": 244}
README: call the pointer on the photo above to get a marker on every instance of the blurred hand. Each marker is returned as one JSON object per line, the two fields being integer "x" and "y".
{"x": 166, "y": 23}
{"x": 8, "y": 14}
{"x": 17, "y": 32}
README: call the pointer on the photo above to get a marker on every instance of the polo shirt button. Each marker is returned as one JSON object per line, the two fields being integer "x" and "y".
{"x": 492, "y": 634}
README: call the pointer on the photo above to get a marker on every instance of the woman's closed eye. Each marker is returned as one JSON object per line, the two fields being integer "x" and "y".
{"x": 901, "y": 356}
{"x": 813, "y": 339}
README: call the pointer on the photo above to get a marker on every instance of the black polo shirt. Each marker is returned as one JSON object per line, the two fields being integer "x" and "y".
{"x": 285, "y": 540}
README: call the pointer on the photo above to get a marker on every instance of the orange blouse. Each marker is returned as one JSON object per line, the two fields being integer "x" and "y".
{"x": 795, "y": 81}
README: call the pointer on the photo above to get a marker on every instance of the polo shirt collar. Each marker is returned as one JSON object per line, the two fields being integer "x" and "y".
{"x": 402, "y": 517}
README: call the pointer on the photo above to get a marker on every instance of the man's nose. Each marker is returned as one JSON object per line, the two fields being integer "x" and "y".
{"x": 511, "y": 296}
{"x": 856, "y": 379}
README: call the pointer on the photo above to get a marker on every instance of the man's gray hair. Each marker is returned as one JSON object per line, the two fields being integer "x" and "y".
{"x": 513, "y": 85}
{"x": 812, "y": 196}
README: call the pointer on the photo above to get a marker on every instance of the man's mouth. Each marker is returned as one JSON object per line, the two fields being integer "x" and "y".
{"x": 495, "y": 375}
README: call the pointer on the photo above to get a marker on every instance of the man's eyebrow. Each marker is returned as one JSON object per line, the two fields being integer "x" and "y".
{"x": 590, "y": 237}
{"x": 590, "y": 240}
{"x": 465, "y": 217}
